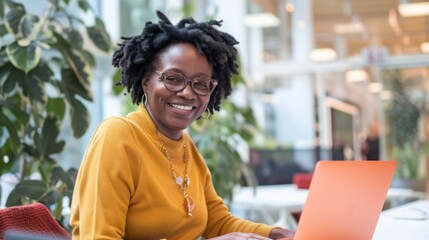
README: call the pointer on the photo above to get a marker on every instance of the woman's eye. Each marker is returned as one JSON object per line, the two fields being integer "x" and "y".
{"x": 201, "y": 85}
{"x": 174, "y": 79}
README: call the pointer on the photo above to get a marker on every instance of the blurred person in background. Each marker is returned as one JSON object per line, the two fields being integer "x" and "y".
{"x": 371, "y": 145}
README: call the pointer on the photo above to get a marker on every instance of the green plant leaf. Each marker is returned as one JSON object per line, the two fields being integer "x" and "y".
{"x": 31, "y": 86}
{"x": 30, "y": 150}
{"x": 27, "y": 25}
{"x": 46, "y": 141}
{"x": 1, "y": 16}
{"x": 56, "y": 106}
{"x": 14, "y": 140}
{"x": 51, "y": 197}
{"x": 12, "y": 19}
{"x": 14, "y": 199}
{"x": 70, "y": 178}
{"x": 89, "y": 57}
{"x": 7, "y": 84}
{"x": 79, "y": 118}
{"x": 57, "y": 174}
{"x": 74, "y": 38}
{"x": 76, "y": 61}
{"x": 12, "y": 4}
{"x": 33, "y": 189}
{"x": 24, "y": 58}
{"x": 46, "y": 38}
{"x": 100, "y": 37}
{"x": 3, "y": 31}
{"x": 116, "y": 79}
{"x": 42, "y": 72}
{"x": 71, "y": 85}
{"x": 13, "y": 104}
{"x": 84, "y": 5}
{"x": 58, "y": 209}
{"x": 3, "y": 57}
{"x": 99, "y": 23}
{"x": 8, "y": 156}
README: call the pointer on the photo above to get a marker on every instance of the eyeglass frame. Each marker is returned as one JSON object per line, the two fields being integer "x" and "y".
{"x": 192, "y": 81}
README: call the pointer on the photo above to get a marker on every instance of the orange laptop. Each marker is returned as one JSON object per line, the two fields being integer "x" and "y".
{"x": 345, "y": 200}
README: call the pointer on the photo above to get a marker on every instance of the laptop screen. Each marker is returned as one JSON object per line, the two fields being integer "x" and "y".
{"x": 345, "y": 200}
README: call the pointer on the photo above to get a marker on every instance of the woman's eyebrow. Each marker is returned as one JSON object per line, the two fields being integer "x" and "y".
{"x": 178, "y": 70}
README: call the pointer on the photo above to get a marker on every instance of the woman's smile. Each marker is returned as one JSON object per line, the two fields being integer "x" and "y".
{"x": 182, "y": 107}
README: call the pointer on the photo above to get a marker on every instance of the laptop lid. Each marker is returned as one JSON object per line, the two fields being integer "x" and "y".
{"x": 345, "y": 200}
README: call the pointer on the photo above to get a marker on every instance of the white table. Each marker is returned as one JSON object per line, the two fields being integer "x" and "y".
{"x": 391, "y": 228}
{"x": 274, "y": 203}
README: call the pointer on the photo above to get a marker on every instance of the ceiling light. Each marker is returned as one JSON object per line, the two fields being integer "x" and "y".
{"x": 323, "y": 54}
{"x": 424, "y": 47}
{"x": 261, "y": 20}
{"x": 349, "y": 28}
{"x": 289, "y": 7}
{"x": 357, "y": 75}
{"x": 414, "y": 9}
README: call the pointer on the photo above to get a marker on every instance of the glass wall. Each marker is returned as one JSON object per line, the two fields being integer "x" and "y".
{"x": 350, "y": 60}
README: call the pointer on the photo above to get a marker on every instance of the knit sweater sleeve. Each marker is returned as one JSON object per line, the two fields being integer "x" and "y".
{"x": 106, "y": 182}
{"x": 221, "y": 221}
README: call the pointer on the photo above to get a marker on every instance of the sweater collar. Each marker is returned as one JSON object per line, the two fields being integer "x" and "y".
{"x": 145, "y": 122}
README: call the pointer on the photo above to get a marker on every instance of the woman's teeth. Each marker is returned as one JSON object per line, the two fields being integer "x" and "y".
{"x": 181, "y": 107}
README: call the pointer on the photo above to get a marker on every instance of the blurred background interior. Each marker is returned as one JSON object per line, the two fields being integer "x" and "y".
{"x": 321, "y": 77}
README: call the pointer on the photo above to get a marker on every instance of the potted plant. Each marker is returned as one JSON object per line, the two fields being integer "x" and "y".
{"x": 403, "y": 115}
{"x": 45, "y": 78}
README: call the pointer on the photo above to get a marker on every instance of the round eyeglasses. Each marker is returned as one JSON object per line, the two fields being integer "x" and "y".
{"x": 176, "y": 82}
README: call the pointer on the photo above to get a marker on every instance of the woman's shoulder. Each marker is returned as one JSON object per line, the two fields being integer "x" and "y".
{"x": 114, "y": 122}
{"x": 114, "y": 126}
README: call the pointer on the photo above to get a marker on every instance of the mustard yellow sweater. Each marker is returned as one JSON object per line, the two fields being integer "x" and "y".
{"x": 125, "y": 189}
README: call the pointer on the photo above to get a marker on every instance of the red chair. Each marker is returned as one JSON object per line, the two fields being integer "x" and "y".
{"x": 33, "y": 220}
{"x": 302, "y": 180}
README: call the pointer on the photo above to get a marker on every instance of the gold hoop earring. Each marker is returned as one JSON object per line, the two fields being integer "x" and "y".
{"x": 144, "y": 99}
{"x": 206, "y": 114}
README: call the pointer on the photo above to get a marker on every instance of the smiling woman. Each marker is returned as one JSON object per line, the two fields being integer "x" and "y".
{"x": 143, "y": 165}
{"x": 173, "y": 111}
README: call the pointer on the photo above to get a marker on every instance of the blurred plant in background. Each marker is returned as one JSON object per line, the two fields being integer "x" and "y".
{"x": 220, "y": 137}
{"x": 45, "y": 78}
{"x": 403, "y": 113}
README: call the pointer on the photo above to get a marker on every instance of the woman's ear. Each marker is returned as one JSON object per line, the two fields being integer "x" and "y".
{"x": 144, "y": 84}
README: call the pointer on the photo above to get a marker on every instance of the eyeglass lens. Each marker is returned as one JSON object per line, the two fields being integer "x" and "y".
{"x": 176, "y": 82}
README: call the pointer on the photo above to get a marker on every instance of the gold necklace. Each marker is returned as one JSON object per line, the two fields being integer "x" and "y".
{"x": 188, "y": 201}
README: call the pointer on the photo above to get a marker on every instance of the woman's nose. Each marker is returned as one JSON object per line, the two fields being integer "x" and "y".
{"x": 188, "y": 91}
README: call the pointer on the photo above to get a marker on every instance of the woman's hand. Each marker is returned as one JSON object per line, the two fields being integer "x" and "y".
{"x": 280, "y": 233}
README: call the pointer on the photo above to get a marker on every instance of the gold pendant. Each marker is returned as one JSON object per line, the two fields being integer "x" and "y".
{"x": 189, "y": 205}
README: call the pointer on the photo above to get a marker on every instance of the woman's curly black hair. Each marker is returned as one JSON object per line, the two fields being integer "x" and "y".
{"x": 137, "y": 54}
